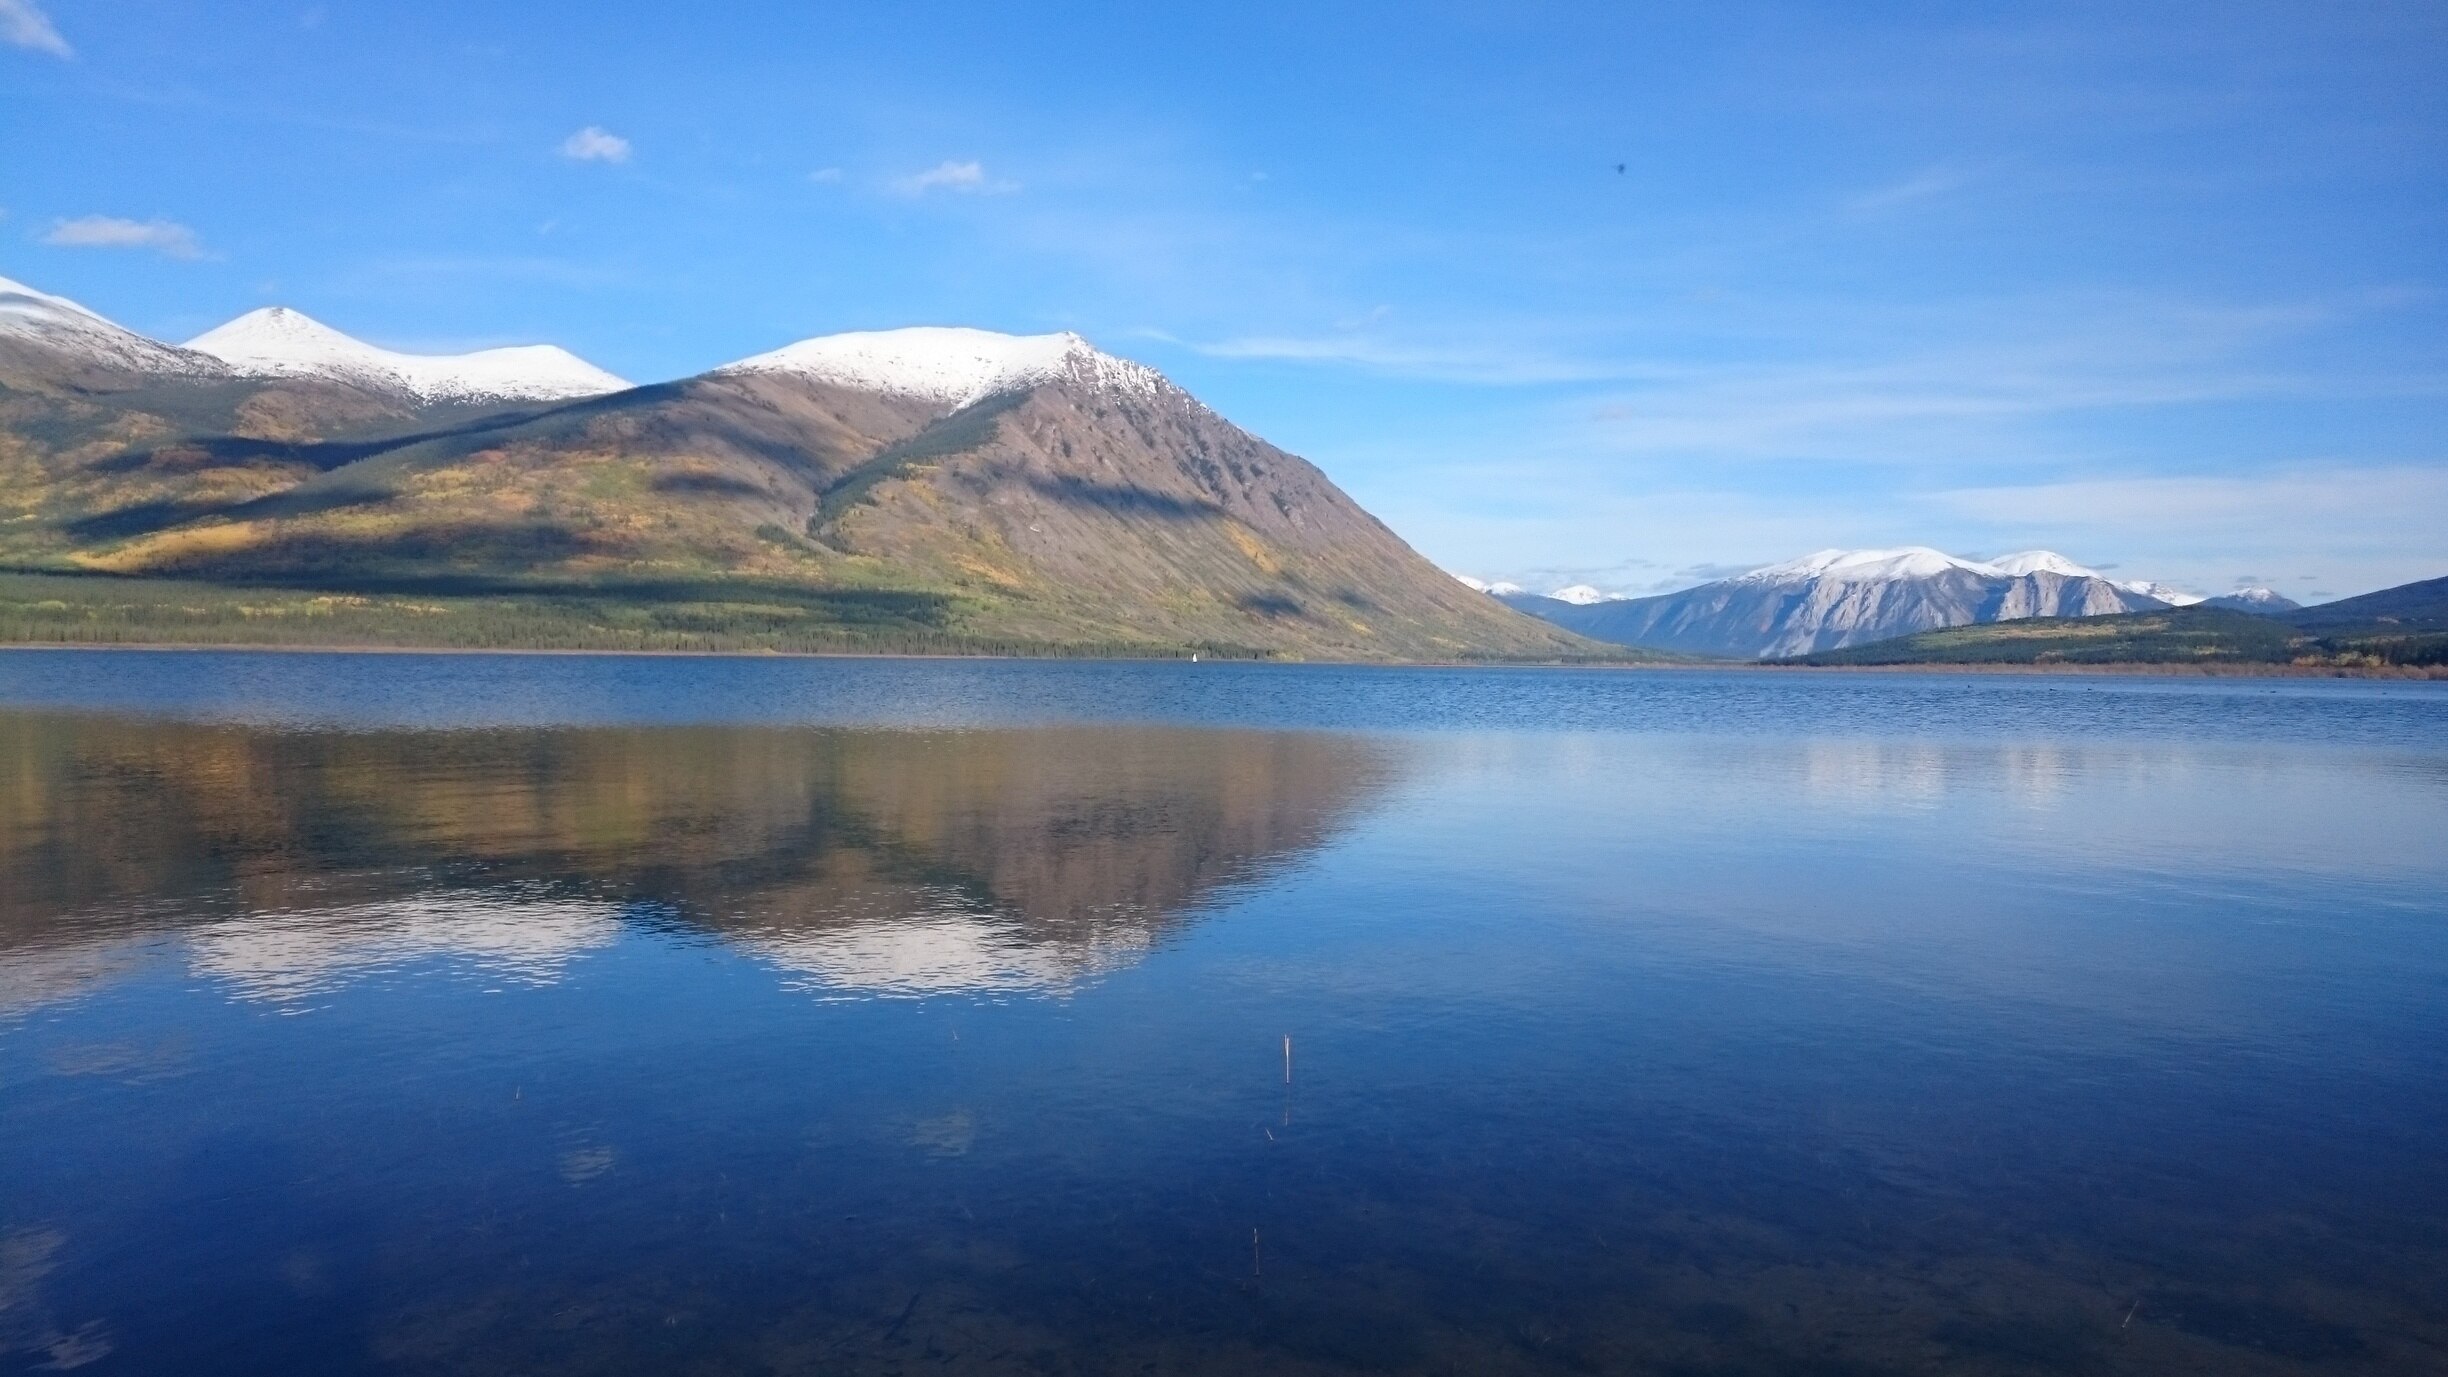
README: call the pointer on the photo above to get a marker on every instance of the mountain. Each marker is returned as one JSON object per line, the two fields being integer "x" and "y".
{"x": 2173, "y": 597}
{"x": 917, "y": 489}
{"x": 49, "y": 342}
{"x": 2402, "y": 628}
{"x": 1838, "y": 598}
{"x": 105, "y": 433}
{"x": 950, "y": 366}
{"x": 2408, "y": 609}
{"x": 2041, "y": 562}
{"x": 276, "y": 342}
{"x": 2266, "y": 601}
{"x": 1581, "y": 595}
{"x": 2050, "y": 562}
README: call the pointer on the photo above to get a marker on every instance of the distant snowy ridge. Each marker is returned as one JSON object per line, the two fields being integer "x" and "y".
{"x": 2043, "y": 562}
{"x": 951, "y": 365}
{"x": 1834, "y": 598}
{"x": 1865, "y": 566}
{"x": 2050, "y": 562}
{"x": 1921, "y": 561}
{"x": 1581, "y": 595}
{"x": 1911, "y": 562}
{"x": 2266, "y": 601}
{"x": 276, "y": 342}
{"x": 1498, "y": 589}
{"x": 55, "y": 322}
{"x": 2173, "y": 597}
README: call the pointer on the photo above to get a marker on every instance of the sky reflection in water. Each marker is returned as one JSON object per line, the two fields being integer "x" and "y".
{"x": 1867, "y": 1032}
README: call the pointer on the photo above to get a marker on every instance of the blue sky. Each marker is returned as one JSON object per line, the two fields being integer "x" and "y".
{"x": 2157, "y": 285}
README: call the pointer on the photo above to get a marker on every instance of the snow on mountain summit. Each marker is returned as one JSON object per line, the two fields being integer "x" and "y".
{"x": 1921, "y": 561}
{"x": 2267, "y": 601}
{"x": 55, "y": 322}
{"x": 950, "y": 365}
{"x": 278, "y": 342}
{"x": 2043, "y": 562}
{"x": 1866, "y": 566}
{"x": 2172, "y": 596}
{"x": 1579, "y": 595}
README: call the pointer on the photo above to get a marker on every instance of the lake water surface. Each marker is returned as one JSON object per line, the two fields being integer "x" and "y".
{"x": 474, "y": 1014}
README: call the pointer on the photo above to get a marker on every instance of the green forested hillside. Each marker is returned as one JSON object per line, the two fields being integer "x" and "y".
{"x": 2203, "y": 636}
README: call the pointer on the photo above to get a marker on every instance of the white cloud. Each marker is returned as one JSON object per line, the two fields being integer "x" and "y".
{"x": 166, "y": 237}
{"x": 825, "y": 174}
{"x": 594, "y": 144}
{"x": 24, "y": 25}
{"x": 969, "y": 177}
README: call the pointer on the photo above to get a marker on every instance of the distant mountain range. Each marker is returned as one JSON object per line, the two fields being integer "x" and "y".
{"x": 916, "y": 488}
{"x": 1838, "y": 598}
{"x": 2267, "y": 602}
{"x": 2405, "y": 628}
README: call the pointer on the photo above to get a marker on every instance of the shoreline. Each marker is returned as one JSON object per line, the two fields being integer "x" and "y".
{"x": 2174, "y": 670}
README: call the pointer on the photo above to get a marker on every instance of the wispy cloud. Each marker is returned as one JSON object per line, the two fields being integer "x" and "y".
{"x": 2385, "y": 500}
{"x": 966, "y": 177}
{"x": 1992, "y": 379}
{"x": 825, "y": 174}
{"x": 1787, "y": 383}
{"x": 1925, "y": 185}
{"x": 24, "y": 25}
{"x": 1496, "y": 365}
{"x": 166, "y": 237}
{"x": 595, "y": 144}
{"x": 2375, "y": 525}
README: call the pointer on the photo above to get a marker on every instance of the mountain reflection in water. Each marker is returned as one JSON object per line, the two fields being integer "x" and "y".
{"x": 878, "y": 862}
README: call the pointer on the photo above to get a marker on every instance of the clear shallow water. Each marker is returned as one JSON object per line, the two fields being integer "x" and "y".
{"x": 476, "y": 1014}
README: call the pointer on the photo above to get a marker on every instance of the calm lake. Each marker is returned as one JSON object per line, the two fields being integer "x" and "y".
{"x": 477, "y": 1014}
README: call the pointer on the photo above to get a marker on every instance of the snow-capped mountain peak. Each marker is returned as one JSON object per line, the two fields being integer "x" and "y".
{"x": 2173, "y": 597}
{"x": 1579, "y": 595}
{"x": 1921, "y": 561}
{"x": 950, "y": 365}
{"x": 2043, "y": 562}
{"x": 1836, "y": 598}
{"x": 2268, "y": 602}
{"x": 278, "y": 342}
{"x": 1865, "y": 566}
{"x": 55, "y": 322}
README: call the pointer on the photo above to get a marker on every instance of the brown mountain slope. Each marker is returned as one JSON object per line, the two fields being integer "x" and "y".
{"x": 1081, "y": 507}
{"x": 1065, "y": 511}
{"x": 91, "y": 454}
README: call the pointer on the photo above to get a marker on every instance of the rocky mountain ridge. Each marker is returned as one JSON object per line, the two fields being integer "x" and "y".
{"x": 1836, "y": 598}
